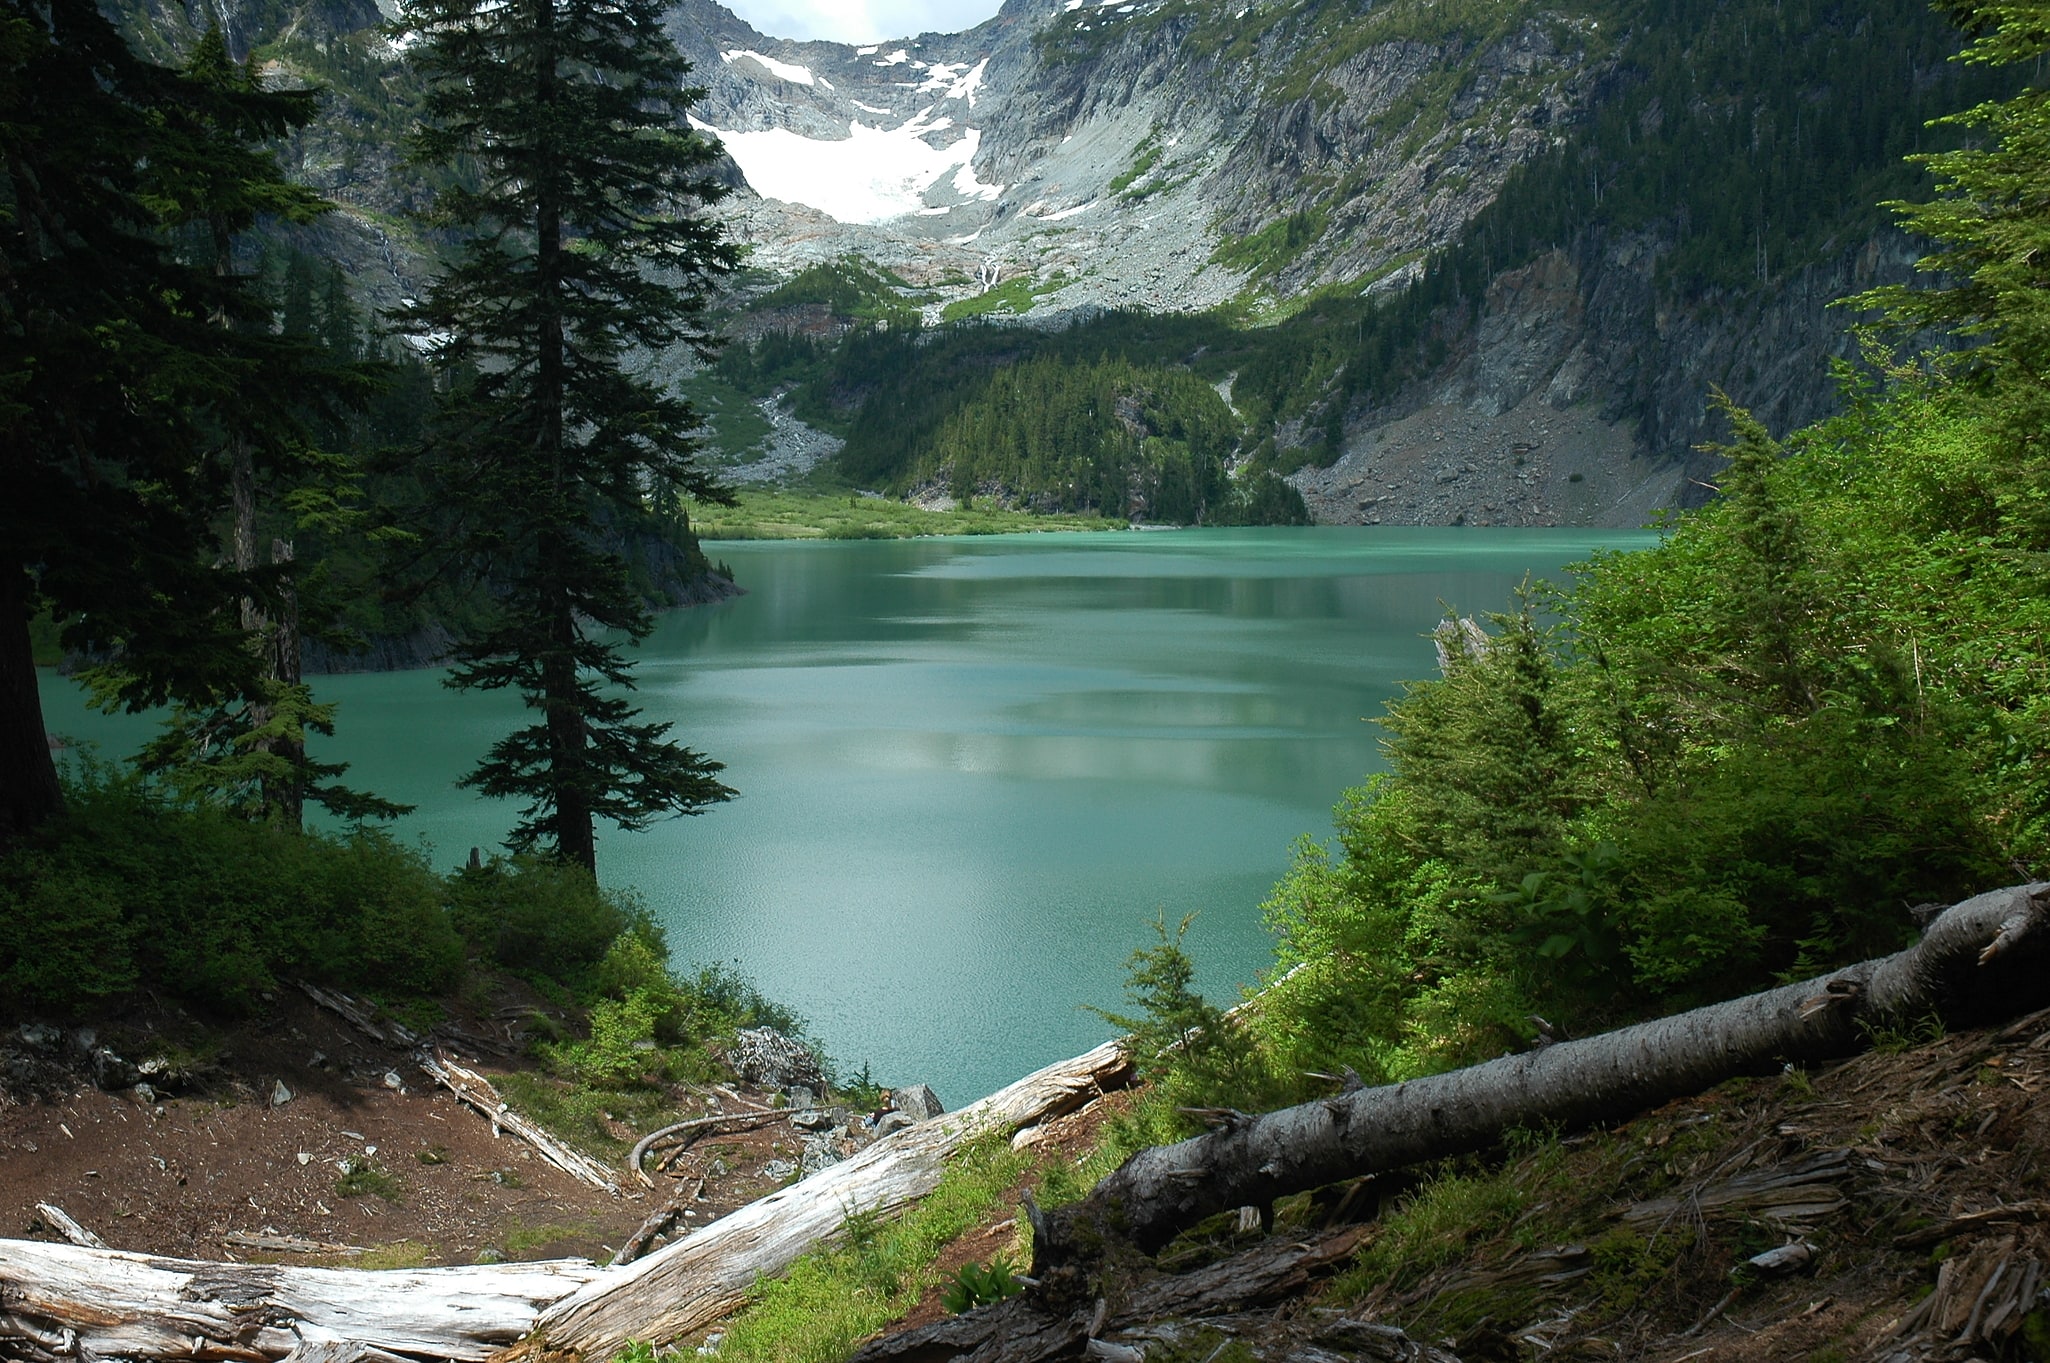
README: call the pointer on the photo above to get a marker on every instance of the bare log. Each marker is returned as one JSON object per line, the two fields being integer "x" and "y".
{"x": 57, "y": 1219}
{"x": 362, "y": 1016}
{"x": 83, "y": 1303}
{"x": 1978, "y": 960}
{"x": 732, "y": 1121}
{"x": 1027, "y": 1328}
{"x": 693, "y": 1282}
{"x": 285, "y": 1244}
{"x": 658, "y": 1223}
{"x": 477, "y": 1091}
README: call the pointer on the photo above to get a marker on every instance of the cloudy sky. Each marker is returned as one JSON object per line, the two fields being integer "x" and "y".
{"x": 861, "y": 21}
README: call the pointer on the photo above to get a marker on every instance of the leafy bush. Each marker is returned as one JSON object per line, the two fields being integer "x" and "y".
{"x": 981, "y": 1285}
{"x": 126, "y": 889}
{"x": 540, "y": 917}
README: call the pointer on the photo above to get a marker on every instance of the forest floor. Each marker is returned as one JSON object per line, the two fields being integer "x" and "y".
{"x": 366, "y": 1158}
{"x": 1914, "y": 1180}
{"x": 1891, "y": 1207}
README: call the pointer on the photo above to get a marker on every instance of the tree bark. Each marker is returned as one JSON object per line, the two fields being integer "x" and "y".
{"x": 689, "y": 1284}
{"x": 63, "y": 1302}
{"x": 29, "y": 793}
{"x": 1980, "y": 959}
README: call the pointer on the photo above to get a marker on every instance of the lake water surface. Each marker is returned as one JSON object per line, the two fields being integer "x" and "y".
{"x": 972, "y": 771}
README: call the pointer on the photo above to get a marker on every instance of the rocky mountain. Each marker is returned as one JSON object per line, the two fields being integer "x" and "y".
{"x": 1478, "y": 262}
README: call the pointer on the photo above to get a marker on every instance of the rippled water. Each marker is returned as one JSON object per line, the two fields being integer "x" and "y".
{"x": 972, "y": 771}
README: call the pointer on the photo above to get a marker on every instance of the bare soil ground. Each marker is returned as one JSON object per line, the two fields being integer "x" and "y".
{"x": 366, "y": 1157}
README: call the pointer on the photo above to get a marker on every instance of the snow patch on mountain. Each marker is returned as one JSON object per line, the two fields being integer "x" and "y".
{"x": 799, "y": 75}
{"x": 872, "y": 175}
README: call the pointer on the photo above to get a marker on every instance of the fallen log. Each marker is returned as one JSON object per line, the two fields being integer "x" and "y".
{"x": 1026, "y": 1328}
{"x": 286, "y": 1244}
{"x": 57, "y": 1219}
{"x": 693, "y": 1282}
{"x": 362, "y": 1016}
{"x": 477, "y": 1092}
{"x": 732, "y": 1121}
{"x": 1979, "y": 960}
{"x": 64, "y": 1301}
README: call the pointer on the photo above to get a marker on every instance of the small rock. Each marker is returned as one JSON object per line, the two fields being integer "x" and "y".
{"x": 917, "y": 1101}
{"x": 305, "y": 1158}
{"x": 815, "y": 1119}
{"x": 145, "y": 1095}
{"x": 1781, "y": 1262}
{"x": 802, "y": 1096}
{"x": 279, "y": 1094}
{"x": 776, "y": 1170}
{"x": 891, "y": 1122}
{"x": 392, "y": 1080}
{"x": 490, "y": 1256}
{"x": 39, "y": 1035}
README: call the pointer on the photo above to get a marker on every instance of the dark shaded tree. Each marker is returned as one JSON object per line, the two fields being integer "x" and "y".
{"x": 584, "y": 252}
{"x": 108, "y": 360}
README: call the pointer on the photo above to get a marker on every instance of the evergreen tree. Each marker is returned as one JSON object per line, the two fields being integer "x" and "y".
{"x": 215, "y": 182}
{"x": 585, "y": 250}
{"x": 107, "y": 363}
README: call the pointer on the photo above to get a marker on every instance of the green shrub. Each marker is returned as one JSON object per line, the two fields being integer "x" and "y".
{"x": 127, "y": 889}
{"x": 539, "y": 917}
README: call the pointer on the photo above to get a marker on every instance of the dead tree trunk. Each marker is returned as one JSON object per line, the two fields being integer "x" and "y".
{"x": 693, "y": 1282}
{"x": 1983, "y": 958}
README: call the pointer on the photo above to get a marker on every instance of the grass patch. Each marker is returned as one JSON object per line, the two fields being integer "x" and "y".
{"x": 398, "y": 1254}
{"x": 832, "y": 1299}
{"x": 1015, "y": 295}
{"x": 367, "y": 1179}
{"x": 522, "y": 1241}
{"x": 802, "y": 515}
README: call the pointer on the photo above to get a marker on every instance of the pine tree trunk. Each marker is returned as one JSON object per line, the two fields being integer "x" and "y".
{"x": 1980, "y": 959}
{"x": 289, "y": 798}
{"x": 29, "y": 793}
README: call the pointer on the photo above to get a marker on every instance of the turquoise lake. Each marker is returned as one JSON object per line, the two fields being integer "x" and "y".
{"x": 973, "y": 771}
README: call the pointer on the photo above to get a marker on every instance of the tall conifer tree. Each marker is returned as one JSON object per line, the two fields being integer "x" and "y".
{"x": 585, "y": 249}
{"x": 109, "y": 364}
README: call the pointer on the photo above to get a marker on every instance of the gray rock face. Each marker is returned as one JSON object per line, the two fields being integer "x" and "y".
{"x": 764, "y": 1056}
{"x": 917, "y": 1102}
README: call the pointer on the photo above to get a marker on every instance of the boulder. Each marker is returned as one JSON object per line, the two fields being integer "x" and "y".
{"x": 917, "y": 1102}
{"x": 763, "y": 1055}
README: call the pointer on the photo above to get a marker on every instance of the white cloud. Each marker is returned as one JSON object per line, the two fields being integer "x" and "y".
{"x": 861, "y": 21}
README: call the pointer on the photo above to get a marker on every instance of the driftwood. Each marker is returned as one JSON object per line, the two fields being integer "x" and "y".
{"x": 476, "y": 1091}
{"x": 285, "y": 1244}
{"x": 57, "y": 1219}
{"x": 1801, "y": 1191}
{"x": 689, "y": 1284}
{"x": 657, "y": 1225}
{"x": 361, "y": 1016}
{"x": 1982, "y": 959}
{"x": 2008, "y": 1213}
{"x": 1025, "y": 1328}
{"x": 731, "y": 1121}
{"x": 62, "y": 1301}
